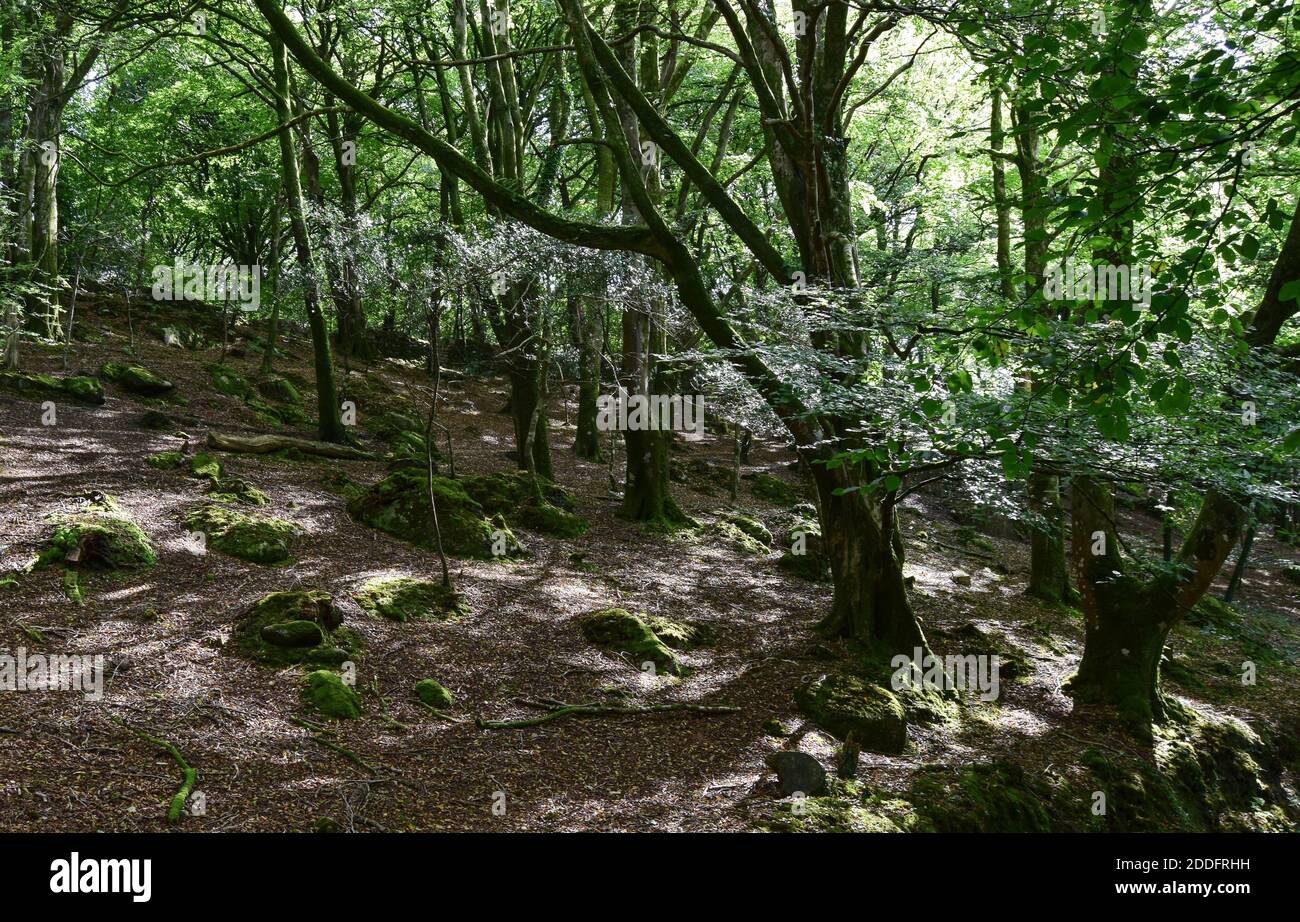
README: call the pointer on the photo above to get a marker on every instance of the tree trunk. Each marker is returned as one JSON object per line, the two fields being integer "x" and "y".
{"x": 1127, "y": 619}
{"x": 331, "y": 425}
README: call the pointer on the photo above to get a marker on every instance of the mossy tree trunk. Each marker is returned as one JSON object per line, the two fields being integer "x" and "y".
{"x": 1128, "y": 615}
{"x": 331, "y": 424}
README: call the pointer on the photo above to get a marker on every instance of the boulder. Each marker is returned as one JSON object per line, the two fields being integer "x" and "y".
{"x": 798, "y": 773}
{"x": 842, "y": 704}
{"x": 327, "y": 693}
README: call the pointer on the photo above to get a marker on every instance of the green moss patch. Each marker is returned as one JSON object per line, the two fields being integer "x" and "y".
{"x": 205, "y": 465}
{"x": 77, "y": 388}
{"x": 328, "y": 694}
{"x": 166, "y": 460}
{"x": 256, "y": 539}
{"x": 399, "y": 505}
{"x": 842, "y": 704}
{"x": 402, "y": 598}
{"x": 136, "y": 379}
{"x": 624, "y": 632}
{"x": 297, "y": 626}
{"x": 236, "y": 490}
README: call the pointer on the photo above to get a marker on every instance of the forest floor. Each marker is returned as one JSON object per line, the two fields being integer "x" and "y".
{"x": 68, "y": 763}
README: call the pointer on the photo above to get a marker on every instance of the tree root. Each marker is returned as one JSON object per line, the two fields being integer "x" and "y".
{"x": 318, "y": 734}
{"x": 559, "y": 709}
{"x": 182, "y": 795}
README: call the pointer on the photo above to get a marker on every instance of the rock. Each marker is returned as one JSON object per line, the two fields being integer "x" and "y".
{"x": 804, "y": 553}
{"x": 404, "y": 599}
{"x": 774, "y": 727}
{"x": 155, "y": 421}
{"x": 136, "y": 379}
{"x": 960, "y": 577}
{"x": 236, "y": 490}
{"x": 625, "y": 632}
{"x": 166, "y": 460}
{"x": 798, "y": 772}
{"x": 1291, "y": 572}
{"x": 681, "y": 635}
{"x": 279, "y": 390}
{"x": 750, "y": 527}
{"x": 326, "y": 692}
{"x": 205, "y": 465}
{"x": 432, "y": 693}
{"x": 774, "y": 489}
{"x": 296, "y": 626}
{"x": 79, "y": 388}
{"x": 730, "y": 535}
{"x": 399, "y": 505}
{"x": 256, "y": 539}
{"x": 842, "y": 704}
{"x": 293, "y": 634}
{"x": 100, "y": 540}
{"x": 527, "y": 500}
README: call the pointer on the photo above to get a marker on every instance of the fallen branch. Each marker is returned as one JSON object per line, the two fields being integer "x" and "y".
{"x": 266, "y": 444}
{"x": 600, "y": 710}
{"x": 178, "y": 801}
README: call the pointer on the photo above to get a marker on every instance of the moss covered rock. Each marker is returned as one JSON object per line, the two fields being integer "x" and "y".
{"x": 296, "y": 626}
{"x": 293, "y": 634}
{"x": 750, "y": 527}
{"x": 399, "y": 505}
{"x": 803, "y": 554}
{"x": 205, "y": 465}
{"x": 279, "y": 390}
{"x": 136, "y": 379}
{"x": 98, "y": 540}
{"x": 774, "y": 489}
{"x": 432, "y": 693}
{"x": 730, "y": 535}
{"x": 624, "y": 632}
{"x": 257, "y": 539}
{"x": 328, "y": 694}
{"x": 236, "y": 490}
{"x": 166, "y": 460}
{"x": 77, "y": 388}
{"x": 402, "y": 598}
{"x": 230, "y": 382}
{"x": 681, "y": 635}
{"x": 527, "y": 500}
{"x": 842, "y": 704}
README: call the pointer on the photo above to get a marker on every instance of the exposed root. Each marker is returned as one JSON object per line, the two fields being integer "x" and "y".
{"x": 559, "y": 709}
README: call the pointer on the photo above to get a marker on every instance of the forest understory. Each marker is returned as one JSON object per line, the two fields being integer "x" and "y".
{"x": 744, "y": 629}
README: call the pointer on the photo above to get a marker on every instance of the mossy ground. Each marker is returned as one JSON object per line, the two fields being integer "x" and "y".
{"x": 402, "y": 598}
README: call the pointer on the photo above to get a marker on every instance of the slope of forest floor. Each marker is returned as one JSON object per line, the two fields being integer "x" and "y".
{"x": 71, "y": 763}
